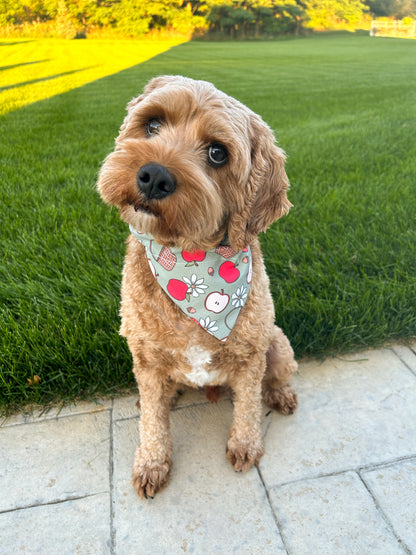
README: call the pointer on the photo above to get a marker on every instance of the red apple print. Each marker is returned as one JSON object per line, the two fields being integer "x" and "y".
{"x": 229, "y": 272}
{"x": 193, "y": 257}
{"x": 177, "y": 289}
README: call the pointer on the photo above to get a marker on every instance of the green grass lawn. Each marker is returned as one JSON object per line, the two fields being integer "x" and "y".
{"x": 32, "y": 70}
{"x": 342, "y": 263}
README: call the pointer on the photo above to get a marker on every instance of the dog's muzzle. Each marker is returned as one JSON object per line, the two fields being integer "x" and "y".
{"x": 155, "y": 181}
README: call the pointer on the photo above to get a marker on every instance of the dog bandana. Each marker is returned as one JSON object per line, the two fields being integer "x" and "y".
{"x": 210, "y": 287}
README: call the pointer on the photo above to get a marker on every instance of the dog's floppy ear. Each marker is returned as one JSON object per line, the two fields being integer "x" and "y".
{"x": 265, "y": 199}
{"x": 130, "y": 108}
{"x": 151, "y": 86}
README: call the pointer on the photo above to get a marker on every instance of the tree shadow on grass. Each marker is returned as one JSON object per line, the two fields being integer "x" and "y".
{"x": 42, "y": 79}
{"x": 7, "y": 43}
{"x": 4, "y": 68}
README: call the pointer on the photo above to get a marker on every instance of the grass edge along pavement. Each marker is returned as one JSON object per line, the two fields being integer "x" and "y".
{"x": 341, "y": 264}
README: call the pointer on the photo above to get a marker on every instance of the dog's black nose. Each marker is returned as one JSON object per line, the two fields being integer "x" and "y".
{"x": 155, "y": 181}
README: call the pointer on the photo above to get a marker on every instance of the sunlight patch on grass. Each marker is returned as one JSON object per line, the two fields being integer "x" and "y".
{"x": 32, "y": 70}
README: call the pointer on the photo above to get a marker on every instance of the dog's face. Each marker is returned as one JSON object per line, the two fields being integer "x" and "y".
{"x": 192, "y": 164}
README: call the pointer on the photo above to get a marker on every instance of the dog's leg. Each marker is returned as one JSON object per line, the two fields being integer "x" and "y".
{"x": 152, "y": 460}
{"x": 281, "y": 365}
{"x": 245, "y": 444}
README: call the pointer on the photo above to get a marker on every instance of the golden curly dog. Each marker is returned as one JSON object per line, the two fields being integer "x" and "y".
{"x": 197, "y": 174}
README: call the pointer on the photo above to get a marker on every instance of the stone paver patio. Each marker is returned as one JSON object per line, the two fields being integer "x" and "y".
{"x": 338, "y": 476}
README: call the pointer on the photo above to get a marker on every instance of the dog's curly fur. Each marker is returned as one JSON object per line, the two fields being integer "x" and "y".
{"x": 236, "y": 201}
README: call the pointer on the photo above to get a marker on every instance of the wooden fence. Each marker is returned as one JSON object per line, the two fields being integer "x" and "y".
{"x": 393, "y": 29}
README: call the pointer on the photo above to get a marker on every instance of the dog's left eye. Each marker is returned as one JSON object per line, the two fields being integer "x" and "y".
{"x": 153, "y": 126}
{"x": 217, "y": 155}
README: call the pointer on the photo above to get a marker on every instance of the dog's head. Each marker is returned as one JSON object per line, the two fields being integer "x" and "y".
{"x": 192, "y": 165}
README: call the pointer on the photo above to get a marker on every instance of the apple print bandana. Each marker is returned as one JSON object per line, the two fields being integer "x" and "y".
{"x": 210, "y": 287}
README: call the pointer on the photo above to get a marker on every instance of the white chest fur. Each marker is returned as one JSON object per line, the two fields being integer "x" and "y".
{"x": 199, "y": 360}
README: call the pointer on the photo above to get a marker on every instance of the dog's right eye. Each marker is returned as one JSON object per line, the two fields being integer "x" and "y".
{"x": 153, "y": 126}
{"x": 217, "y": 155}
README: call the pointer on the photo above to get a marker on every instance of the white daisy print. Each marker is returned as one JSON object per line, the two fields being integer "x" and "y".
{"x": 196, "y": 286}
{"x": 208, "y": 324}
{"x": 238, "y": 298}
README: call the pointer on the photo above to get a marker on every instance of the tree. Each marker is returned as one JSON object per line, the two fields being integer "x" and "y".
{"x": 327, "y": 14}
{"x": 10, "y": 13}
{"x": 23, "y": 11}
{"x": 392, "y": 8}
{"x": 64, "y": 22}
{"x": 254, "y": 18}
{"x": 135, "y": 18}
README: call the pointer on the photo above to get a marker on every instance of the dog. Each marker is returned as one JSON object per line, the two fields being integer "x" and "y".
{"x": 197, "y": 175}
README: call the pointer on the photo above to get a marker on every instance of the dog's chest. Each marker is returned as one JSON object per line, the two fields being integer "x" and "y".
{"x": 199, "y": 360}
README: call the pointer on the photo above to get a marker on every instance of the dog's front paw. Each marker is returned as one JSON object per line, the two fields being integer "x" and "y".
{"x": 149, "y": 476}
{"x": 243, "y": 454}
{"x": 282, "y": 399}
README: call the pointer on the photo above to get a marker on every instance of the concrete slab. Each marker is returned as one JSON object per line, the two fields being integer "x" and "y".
{"x": 333, "y": 514}
{"x": 407, "y": 355}
{"x": 125, "y": 407}
{"x": 54, "y": 460}
{"x": 206, "y": 507}
{"x": 79, "y": 526}
{"x": 394, "y": 488}
{"x": 352, "y": 412}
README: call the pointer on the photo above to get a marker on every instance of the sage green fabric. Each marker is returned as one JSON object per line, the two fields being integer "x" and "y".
{"x": 210, "y": 287}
